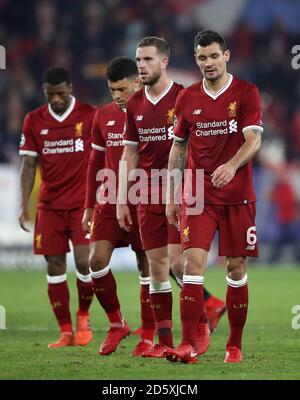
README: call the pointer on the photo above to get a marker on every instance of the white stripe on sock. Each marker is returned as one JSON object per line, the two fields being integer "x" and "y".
{"x": 160, "y": 287}
{"x": 193, "y": 279}
{"x": 57, "y": 278}
{"x": 101, "y": 273}
{"x": 144, "y": 280}
{"x": 180, "y": 281}
{"x": 237, "y": 284}
{"x": 84, "y": 278}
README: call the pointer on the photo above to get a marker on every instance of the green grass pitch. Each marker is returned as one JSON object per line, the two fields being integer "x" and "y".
{"x": 271, "y": 346}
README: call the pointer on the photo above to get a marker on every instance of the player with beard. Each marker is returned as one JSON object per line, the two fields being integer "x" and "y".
{"x": 148, "y": 139}
{"x": 219, "y": 122}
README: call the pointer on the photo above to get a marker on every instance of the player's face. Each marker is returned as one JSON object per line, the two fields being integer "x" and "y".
{"x": 58, "y": 96}
{"x": 121, "y": 90}
{"x": 212, "y": 61}
{"x": 150, "y": 64}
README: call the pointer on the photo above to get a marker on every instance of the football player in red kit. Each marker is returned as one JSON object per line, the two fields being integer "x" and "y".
{"x": 219, "y": 120}
{"x": 148, "y": 139}
{"x": 58, "y": 134}
{"x": 105, "y": 232}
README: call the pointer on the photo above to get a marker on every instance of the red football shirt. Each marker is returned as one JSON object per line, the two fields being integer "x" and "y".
{"x": 107, "y": 136}
{"x": 149, "y": 125}
{"x": 215, "y": 123}
{"x": 62, "y": 142}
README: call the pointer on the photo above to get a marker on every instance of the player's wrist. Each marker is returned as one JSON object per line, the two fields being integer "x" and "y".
{"x": 24, "y": 207}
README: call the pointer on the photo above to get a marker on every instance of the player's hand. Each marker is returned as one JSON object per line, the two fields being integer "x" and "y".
{"x": 223, "y": 175}
{"x": 173, "y": 214}
{"x": 87, "y": 219}
{"x": 24, "y": 219}
{"x": 124, "y": 217}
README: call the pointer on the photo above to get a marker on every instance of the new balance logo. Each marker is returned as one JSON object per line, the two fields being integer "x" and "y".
{"x": 197, "y": 111}
{"x": 79, "y": 145}
{"x": 232, "y": 126}
{"x": 139, "y": 117}
{"x": 250, "y": 247}
{"x": 110, "y": 123}
{"x": 44, "y": 132}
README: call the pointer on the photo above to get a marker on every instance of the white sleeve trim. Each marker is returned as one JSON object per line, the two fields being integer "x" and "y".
{"x": 28, "y": 153}
{"x": 258, "y": 127}
{"x": 96, "y": 147}
{"x": 130, "y": 143}
{"x": 179, "y": 139}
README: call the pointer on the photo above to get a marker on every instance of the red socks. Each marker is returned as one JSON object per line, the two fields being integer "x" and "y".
{"x": 191, "y": 307}
{"x": 85, "y": 293}
{"x": 237, "y": 307}
{"x": 161, "y": 301}
{"x": 147, "y": 314}
{"x": 105, "y": 289}
{"x": 59, "y": 297}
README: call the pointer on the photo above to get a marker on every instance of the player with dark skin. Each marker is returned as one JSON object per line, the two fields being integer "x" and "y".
{"x": 58, "y": 96}
{"x": 61, "y": 196}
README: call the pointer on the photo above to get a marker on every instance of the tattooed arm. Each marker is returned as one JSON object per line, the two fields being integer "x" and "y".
{"x": 177, "y": 161}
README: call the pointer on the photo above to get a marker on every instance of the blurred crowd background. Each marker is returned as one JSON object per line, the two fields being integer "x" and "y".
{"x": 84, "y": 36}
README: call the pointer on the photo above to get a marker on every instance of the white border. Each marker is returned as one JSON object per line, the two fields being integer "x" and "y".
{"x": 61, "y": 118}
{"x": 163, "y": 94}
{"x": 219, "y": 92}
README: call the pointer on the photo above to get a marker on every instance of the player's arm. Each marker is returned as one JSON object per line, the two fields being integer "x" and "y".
{"x": 27, "y": 178}
{"x": 177, "y": 161}
{"x": 128, "y": 163}
{"x": 96, "y": 163}
{"x": 226, "y": 172}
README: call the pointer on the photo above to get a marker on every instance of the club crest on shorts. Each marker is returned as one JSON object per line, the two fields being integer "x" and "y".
{"x": 38, "y": 241}
{"x": 186, "y": 234}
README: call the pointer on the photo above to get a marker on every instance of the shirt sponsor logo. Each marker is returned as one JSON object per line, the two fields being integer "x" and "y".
{"x": 209, "y": 128}
{"x": 232, "y": 126}
{"x": 44, "y": 132}
{"x": 139, "y": 117}
{"x": 79, "y": 145}
{"x": 154, "y": 134}
{"x": 23, "y": 140}
{"x": 175, "y": 120}
{"x": 110, "y": 123}
{"x": 115, "y": 139}
{"x": 197, "y": 111}
{"x": 63, "y": 146}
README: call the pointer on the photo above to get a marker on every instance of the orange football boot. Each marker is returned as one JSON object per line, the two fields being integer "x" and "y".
{"x": 83, "y": 334}
{"x": 66, "y": 339}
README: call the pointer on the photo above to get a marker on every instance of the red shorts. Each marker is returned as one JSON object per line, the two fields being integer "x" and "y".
{"x": 54, "y": 228}
{"x": 105, "y": 226}
{"x": 236, "y": 226}
{"x": 154, "y": 227}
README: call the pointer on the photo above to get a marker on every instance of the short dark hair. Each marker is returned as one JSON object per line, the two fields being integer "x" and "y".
{"x": 205, "y": 38}
{"x": 55, "y": 75}
{"x": 121, "y": 67}
{"x": 161, "y": 44}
